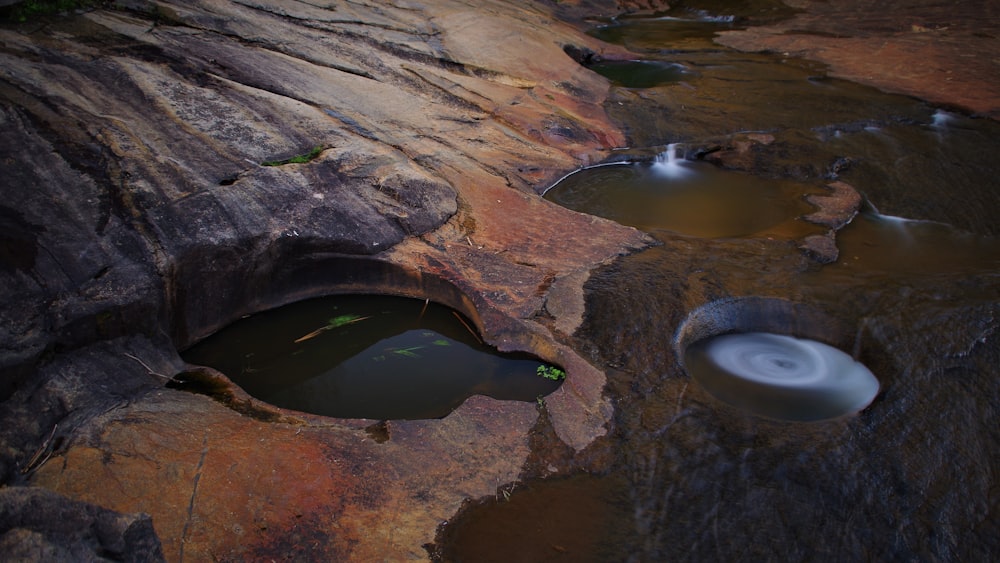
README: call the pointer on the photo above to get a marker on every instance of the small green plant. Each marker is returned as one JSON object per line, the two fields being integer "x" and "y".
{"x": 407, "y": 352}
{"x": 298, "y": 159}
{"x": 550, "y": 372}
{"x": 342, "y": 320}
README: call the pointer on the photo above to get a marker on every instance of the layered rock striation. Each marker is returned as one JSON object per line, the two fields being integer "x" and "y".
{"x": 169, "y": 167}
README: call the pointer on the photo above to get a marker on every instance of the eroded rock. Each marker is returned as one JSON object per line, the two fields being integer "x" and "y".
{"x": 39, "y": 525}
{"x": 153, "y": 193}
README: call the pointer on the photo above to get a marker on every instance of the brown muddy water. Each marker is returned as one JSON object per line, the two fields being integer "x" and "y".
{"x": 914, "y": 298}
{"x": 367, "y": 356}
{"x": 691, "y": 198}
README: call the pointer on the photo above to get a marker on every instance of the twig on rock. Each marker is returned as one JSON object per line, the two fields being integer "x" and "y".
{"x": 37, "y": 460}
{"x": 467, "y": 327}
{"x": 149, "y": 369}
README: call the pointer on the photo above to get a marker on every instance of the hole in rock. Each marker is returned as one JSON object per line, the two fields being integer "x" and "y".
{"x": 781, "y": 376}
{"x": 369, "y": 356}
{"x": 742, "y": 352}
{"x": 687, "y": 197}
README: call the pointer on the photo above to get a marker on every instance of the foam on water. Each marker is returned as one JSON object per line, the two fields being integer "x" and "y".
{"x": 941, "y": 119}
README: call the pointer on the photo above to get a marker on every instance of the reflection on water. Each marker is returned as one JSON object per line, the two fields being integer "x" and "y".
{"x": 940, "y": 167}
{"x": 375, "y": 357}
{"x": 690, "y": 198}
{"x": 688, "y": 31}
{"x": 640, "y": 74}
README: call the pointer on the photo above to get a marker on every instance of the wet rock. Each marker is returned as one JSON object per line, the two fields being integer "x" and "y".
{"x": 316, "y": 488}
{"x": 941, "y": 53}
{"x": 822, "y": 247}
{"x": 170, "y": 167}
{"x": 837, "y": 208}
{"x": 39, "y": 525}
{"x": 738, "y": 151}
{"x": 139, "y": 216}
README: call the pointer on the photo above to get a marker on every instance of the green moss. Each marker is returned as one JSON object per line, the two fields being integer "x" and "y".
{"x": 299, "y": 159}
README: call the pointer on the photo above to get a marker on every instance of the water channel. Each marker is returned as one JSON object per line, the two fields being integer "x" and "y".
{"x": 912, "y": 295}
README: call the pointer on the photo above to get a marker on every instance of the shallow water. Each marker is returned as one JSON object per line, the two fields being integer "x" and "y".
{"x": 917, "y": 285}
{"x": 375, "y": 357}
{"x": 574, "y": 519}
{"x": 640, "y": 74}
{"x": 878, "y": 244}
{"x": 690, "y": 198}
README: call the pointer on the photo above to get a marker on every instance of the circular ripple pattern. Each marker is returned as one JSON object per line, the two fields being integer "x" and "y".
{"x": 781, "y": 376}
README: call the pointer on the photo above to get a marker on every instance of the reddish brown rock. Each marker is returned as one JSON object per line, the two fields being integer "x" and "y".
{"x": 836, "y": 208}
{"x": 942, "y": 52}
{"x": 138, "y": 217}
{"x": 221, "y": 485}
{"x": 151, "y": 180}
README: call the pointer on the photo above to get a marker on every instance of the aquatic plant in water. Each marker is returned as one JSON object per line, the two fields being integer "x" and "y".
{"x": 335, "y": 322}
{"x": 550, "y": 372}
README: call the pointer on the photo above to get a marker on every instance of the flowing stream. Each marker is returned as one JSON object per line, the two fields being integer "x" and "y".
{"x": 912, "y": 300}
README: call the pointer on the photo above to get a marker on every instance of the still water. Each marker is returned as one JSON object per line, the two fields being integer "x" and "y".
{"x": 364, "y": 356}
{"x": 691, "y": 477}
{"x": 684, "y": 197}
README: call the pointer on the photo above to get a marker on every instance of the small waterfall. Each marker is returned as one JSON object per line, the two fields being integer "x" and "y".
{"x": 669, "y": 164}
{"x": 940, "y": 119}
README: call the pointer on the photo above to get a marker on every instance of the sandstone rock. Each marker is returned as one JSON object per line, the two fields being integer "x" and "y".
{"x": 152, "y": 197}
{"x": 941, "y": 53}
{"x": 837, "y": 208}
{"x": 39, "y": 525}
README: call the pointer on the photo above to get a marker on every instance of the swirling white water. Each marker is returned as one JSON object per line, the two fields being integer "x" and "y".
{"x": 781, "y": 376}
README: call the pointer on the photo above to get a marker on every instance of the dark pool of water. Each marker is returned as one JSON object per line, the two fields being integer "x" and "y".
{"x": 573, "y": 519}
{"x": 376, "y": 357}
{"x": 690, "y": 198}
{"x": 685, "y": 30}
{"x": 640, "y": 74}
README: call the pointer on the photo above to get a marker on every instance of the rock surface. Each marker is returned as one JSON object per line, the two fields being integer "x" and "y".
{"x": 945, "y": 53}
{"x": 152, "y": 197}
{"x": 39, "y": 525}
{"x": 149, "y": 202}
